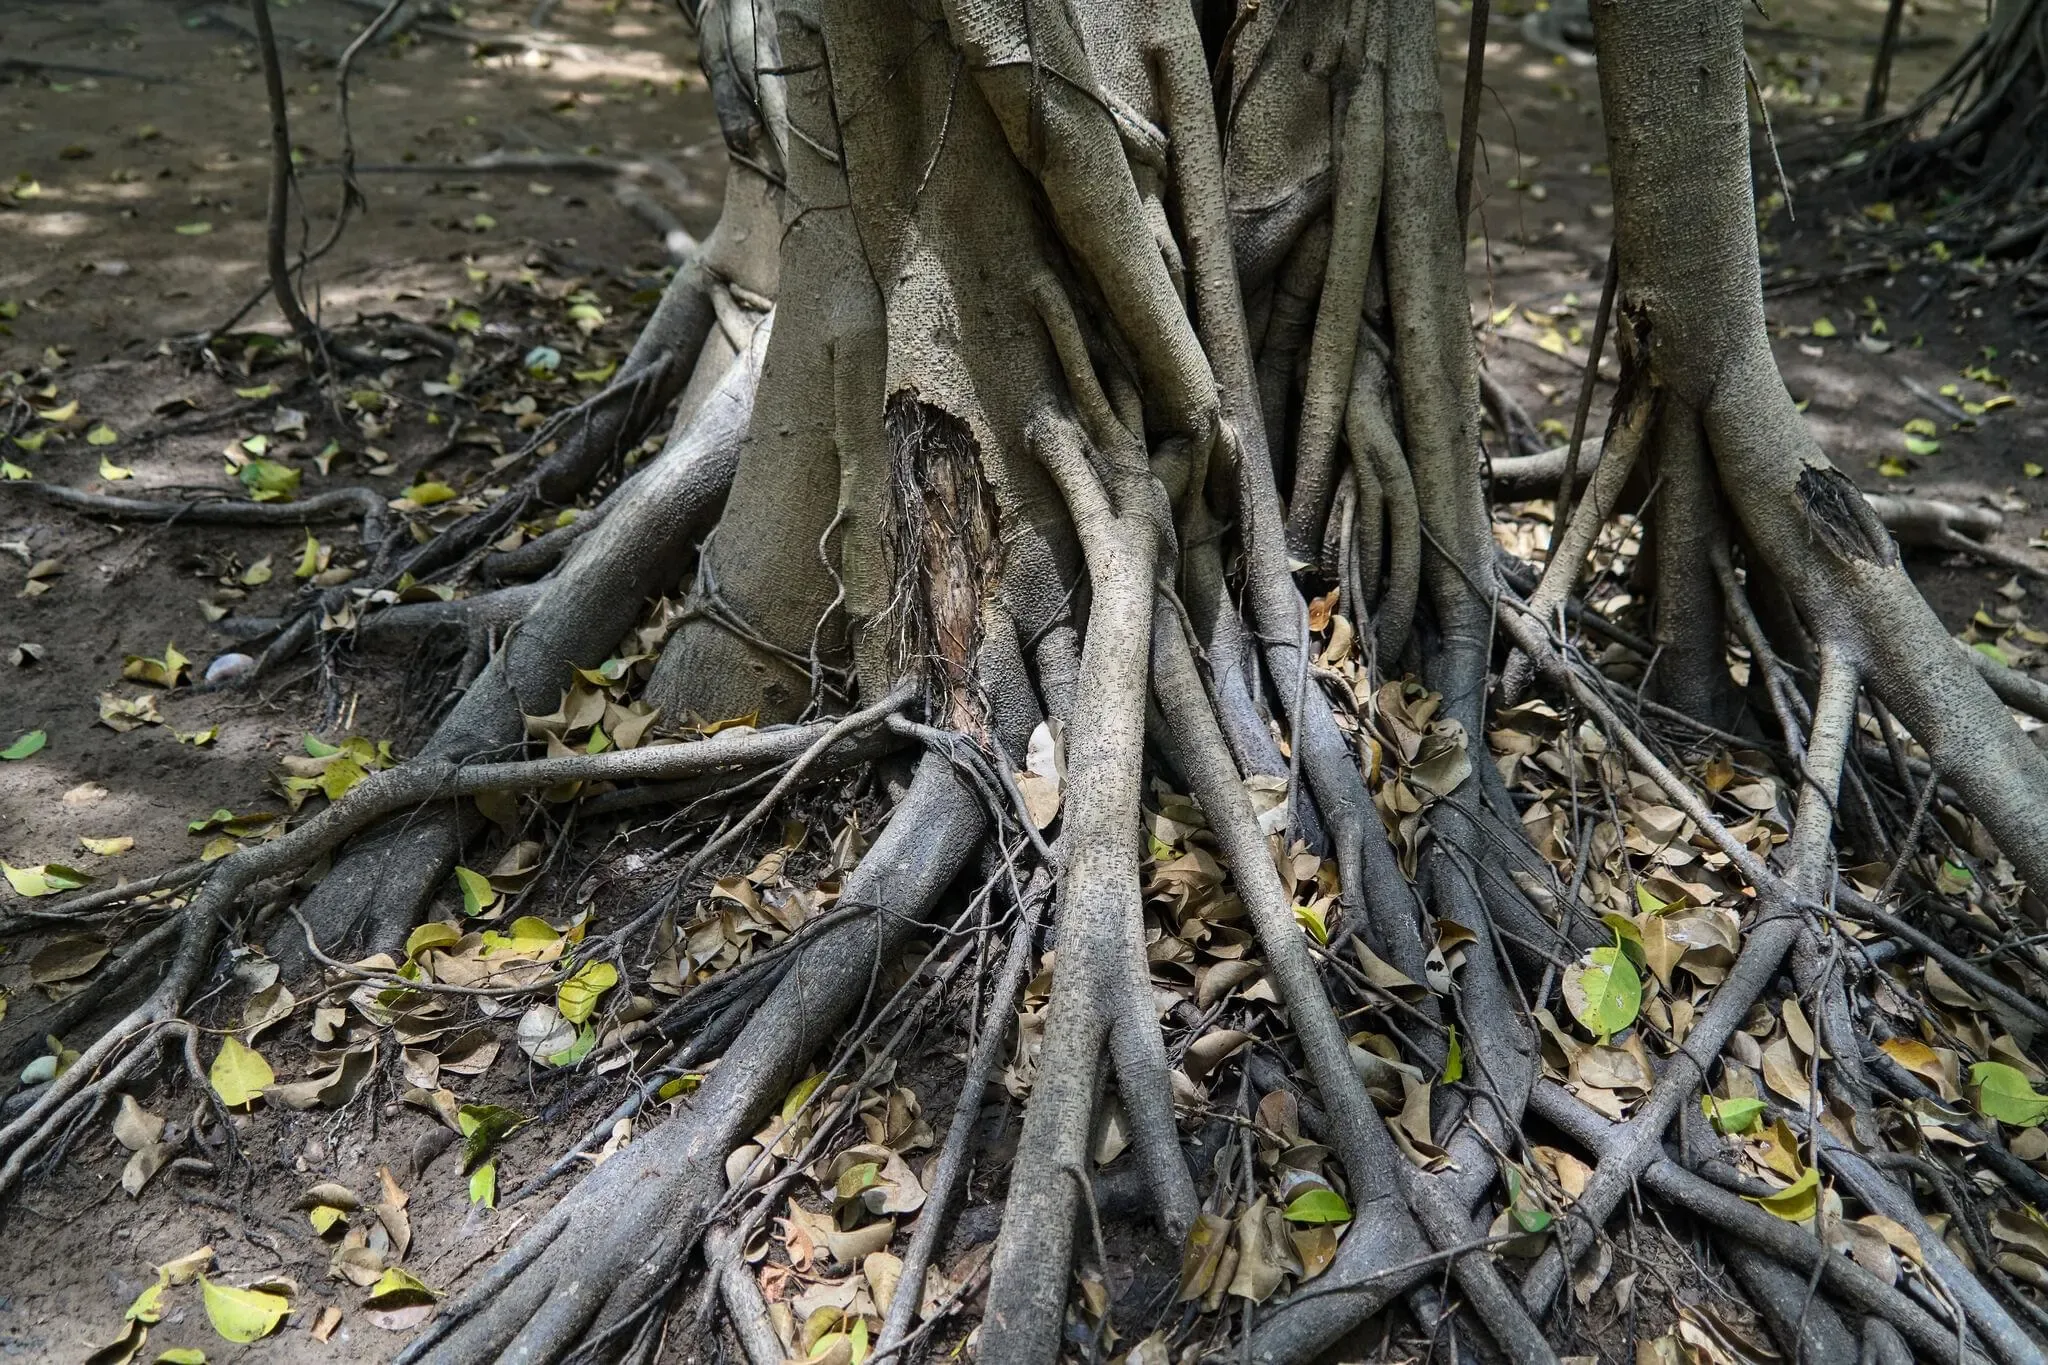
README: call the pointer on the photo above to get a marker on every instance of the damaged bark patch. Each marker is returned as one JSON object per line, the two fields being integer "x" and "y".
{"x": 1841, "y": 519}
{"x": 945, "y": 550}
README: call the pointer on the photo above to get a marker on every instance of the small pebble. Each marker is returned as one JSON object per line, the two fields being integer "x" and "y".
{"x": 228, "y": 666}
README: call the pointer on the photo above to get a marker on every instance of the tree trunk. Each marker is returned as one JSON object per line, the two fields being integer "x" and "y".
{"x": 1065, "y": 297}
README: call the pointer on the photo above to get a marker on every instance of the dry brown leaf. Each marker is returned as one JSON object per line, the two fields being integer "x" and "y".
{"x": 1785, "y": 1073}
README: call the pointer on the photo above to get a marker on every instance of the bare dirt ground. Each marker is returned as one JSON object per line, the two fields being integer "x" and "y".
{"x": 131, "y": 215}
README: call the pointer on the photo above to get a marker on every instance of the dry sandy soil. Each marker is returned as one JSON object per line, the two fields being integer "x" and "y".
{"x": 129, "y": 124}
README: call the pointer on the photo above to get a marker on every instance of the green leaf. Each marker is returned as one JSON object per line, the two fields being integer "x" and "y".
{"x": 586, "y": 1039}
{"x": 680, "y": 1085}
{"x": 44, "y": 879}
{"x": 1317, "y": 1208}
{"x": 148, "y": 1305}
{"x": 1732, "y": 1116}
{"x": 428, "y": 494}
{"x": 181, "y": 1355}
{"x": 478, "y": 895}
{"x": 193, "y": 229}
{"x": 30, "y": 743}
{"x": 1822, "y": 327}
{"x": 1454, "y": 1056}
{"x": 579, "y": 995}
{"x": 238, "y": 1076}
{"x": 1603, "y": 991}
{"x": 483, "y": 1127}
{"x": 267, "y": 479}
{"x": 243, "y": 1314}
{"x": 483, "y": 1185}
{"x": 1312, "y": 918}
{"x": 319, "y": 748}
{"x": 1796, "y": 1202}
{"x": 102, "y": 435}
{"x": 437, "y": 933}
{"x": 399, "y": 1288}
{"x": 2005, "y": 1094}
{"x": 800, "y": 1092}
{"x": 1920, "y": 445}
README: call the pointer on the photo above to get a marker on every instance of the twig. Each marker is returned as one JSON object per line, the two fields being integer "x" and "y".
{"x": 946, "y": 1181}
{"x": 75, "y": 69}
{"x": 302, "y": 326}
{"x": 1568, "y": 488}
{"x": 1881, "y": 68}
{"x": 1468, "y": 119}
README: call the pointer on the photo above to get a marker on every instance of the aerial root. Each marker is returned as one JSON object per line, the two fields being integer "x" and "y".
{"x": 1382, "y": 466}
{"x": 603, "y": 1262}
{"x": 412, "y": 785}
{"x": 1783, "y": 902}
{"x": 1784, "y": 1242}
{"x": 1373, "y": 1164}
{"x": 1570, "y": 544}
{"x": 948, "y": 1178}
{"x": 1354, "y": 220}
{"x": 341, "y": 504}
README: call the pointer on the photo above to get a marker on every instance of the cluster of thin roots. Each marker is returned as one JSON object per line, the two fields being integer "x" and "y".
{"x": 1065, "y": 303}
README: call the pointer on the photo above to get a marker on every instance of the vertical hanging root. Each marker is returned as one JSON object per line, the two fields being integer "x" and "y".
{"x": 1768, "y": 939}
{"x": 1570, "y": 543}
{"x": 1354, "y": 223}
{"x": 1375, "y": 894}
{"x": 1384, "y": 1186}
{"x": 1770, "y": 936}
{"x": 1370, "y": 428}
{"x": 610, "y": 1253}
{"x": 378, "y": 888}
{"x": 1101, "y": 988}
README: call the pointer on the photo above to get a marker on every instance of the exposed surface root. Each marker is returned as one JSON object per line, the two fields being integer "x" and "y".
{"x": 1115, "y": 452}
{"x": 604, "y": 1260}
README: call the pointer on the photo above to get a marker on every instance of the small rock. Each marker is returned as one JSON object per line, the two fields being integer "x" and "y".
{"x": 228, "y": 666}
{"x": 41, "y": 1071}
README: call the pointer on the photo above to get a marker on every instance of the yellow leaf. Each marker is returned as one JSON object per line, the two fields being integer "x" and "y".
{"x": 478, "y": 895}
{"x": 309, "y": 559}
{"x": 428, "y": 494}
{"x": 102, "y": 435}
{"x": 63, "y": 414}
{"x": 44, "y": 879}
{"x": 1797, "y": 1201}
{"x": 1824, "y": 328}
{"x": 579, "y": 995}
{"x": 243, "y": 1314}
{"x": 238, "y": 1076}
{"x": 107, "y": 848}
{"x": 148, "y": 1305}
